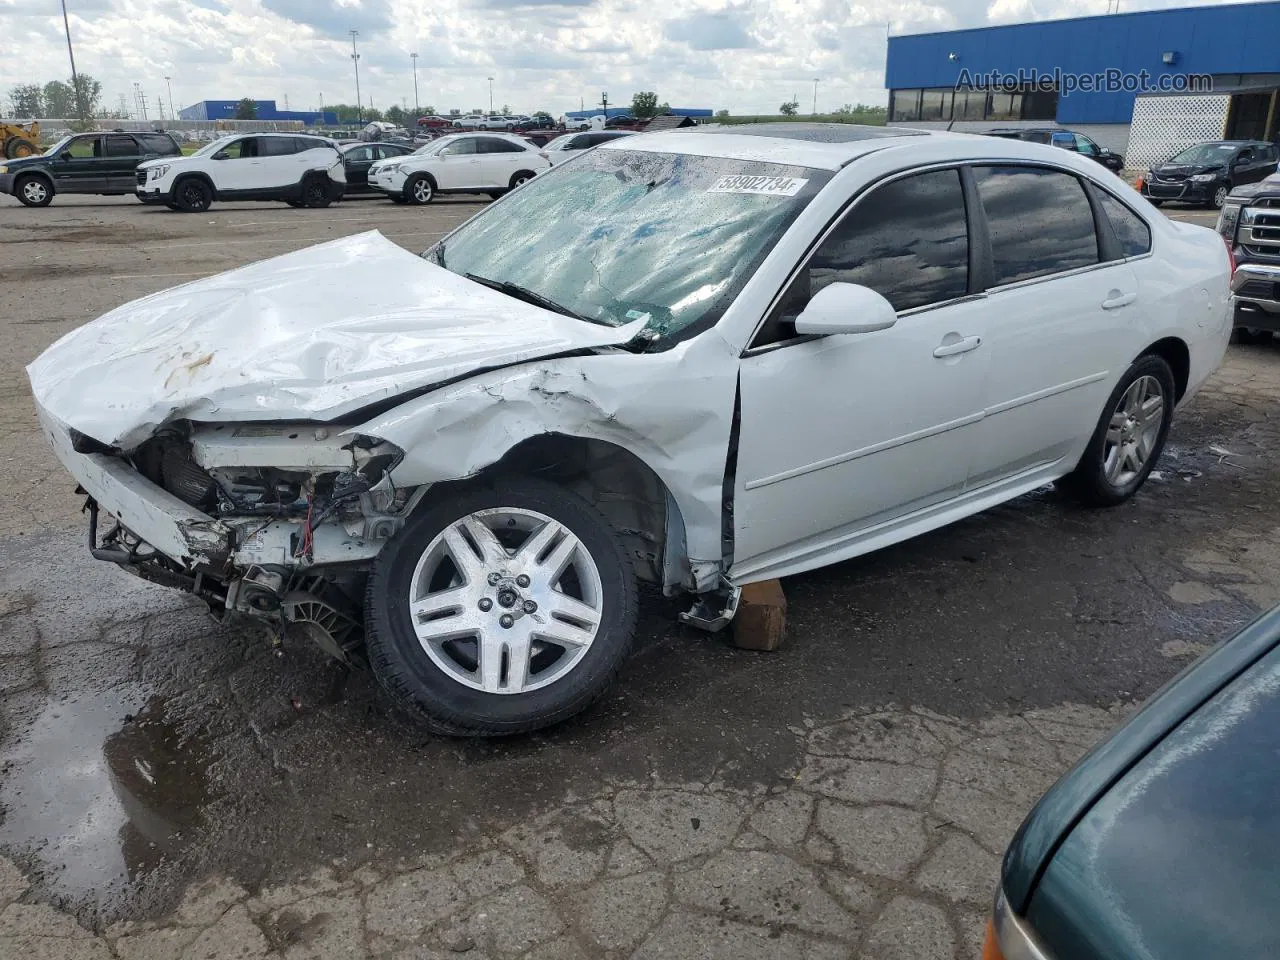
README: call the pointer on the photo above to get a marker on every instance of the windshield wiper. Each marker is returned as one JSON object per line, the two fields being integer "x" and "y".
{"x": 529, "y": 296}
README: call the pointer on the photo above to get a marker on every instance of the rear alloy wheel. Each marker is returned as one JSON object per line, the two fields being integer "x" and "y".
{"x": 501, "y": 610}
{"x": 419, "y": 190}
{"x": 34, "y": 192}
{"x": 315, "y": 194}
{"x": 1129, "y": 437}
{"x": 192, "y": 196}
{"x": 521, "y": 178}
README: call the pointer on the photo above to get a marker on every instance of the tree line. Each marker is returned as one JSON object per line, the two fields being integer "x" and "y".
{"x": 58, "y": 99}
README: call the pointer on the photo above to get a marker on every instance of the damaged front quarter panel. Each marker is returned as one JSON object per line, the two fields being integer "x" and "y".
{"x": 672, "y": 410}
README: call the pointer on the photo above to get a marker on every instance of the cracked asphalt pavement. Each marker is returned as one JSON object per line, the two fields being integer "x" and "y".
{"x": 175, "y": 788}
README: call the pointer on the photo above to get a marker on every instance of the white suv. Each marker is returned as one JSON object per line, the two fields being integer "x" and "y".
{"x": 304, "y": 171}
{"x": 491, "y": 163}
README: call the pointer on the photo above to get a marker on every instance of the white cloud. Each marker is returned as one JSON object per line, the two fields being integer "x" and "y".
{"x": 742, "y": 55}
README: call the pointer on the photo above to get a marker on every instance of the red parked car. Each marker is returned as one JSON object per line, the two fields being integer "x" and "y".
{"x": 433, "y": 123}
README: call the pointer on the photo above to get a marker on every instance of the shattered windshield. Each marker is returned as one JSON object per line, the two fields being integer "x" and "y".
{"x": 616, "y": 236}
{"x": 1206, "y": 153}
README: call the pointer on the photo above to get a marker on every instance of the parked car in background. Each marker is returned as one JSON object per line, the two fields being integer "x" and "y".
{"x": 434, "y": 122}
{"x": 1207, "y": 172}
{"x": 1065, "y": 140}
{"x": 653, "y": 363}
{"x": 621, "y": 120}
{"x": 570, "y": 145}
{"x": 357, "y": 158}
{"x": 471, "y": 120}
{"x": 491, "y": 163}
{"x": 541, "y": 122}
{"x": 99, "y": 163}
{"x": 1159, "y": 843}
{"x": 1250, "y": 223}
{"x": 298, "y": 168}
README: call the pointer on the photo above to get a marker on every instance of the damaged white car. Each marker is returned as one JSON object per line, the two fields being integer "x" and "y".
{"x": 700, "y": 359}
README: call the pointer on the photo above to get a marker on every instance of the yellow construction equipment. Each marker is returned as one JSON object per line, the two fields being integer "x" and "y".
{"x": 19, "y": 140}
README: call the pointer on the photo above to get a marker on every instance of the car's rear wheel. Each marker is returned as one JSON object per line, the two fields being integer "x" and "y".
{"x": 522, "y": 177}
{"x": 1129, "y": 436}
{"x": 192, "y": 195}
{"x": 419, "y": 190}
{"x": 501, "y": 610}
{"x": 34, "y": 191}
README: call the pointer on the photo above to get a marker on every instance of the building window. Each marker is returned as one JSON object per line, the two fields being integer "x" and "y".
{"x": 970, "y": 104}
{"x": 904, "y": 105}
{"x": 1005, "y": 106}
{"x": 935, "y": 105}
{"x": 1040, "y": 105}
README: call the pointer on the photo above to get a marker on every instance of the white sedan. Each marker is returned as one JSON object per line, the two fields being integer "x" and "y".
{"x": 698, "y": 359}
{"x": 491, "y": 163}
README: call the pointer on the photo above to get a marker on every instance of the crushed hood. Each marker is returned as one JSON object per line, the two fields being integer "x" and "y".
{"x": 309, "y": 335}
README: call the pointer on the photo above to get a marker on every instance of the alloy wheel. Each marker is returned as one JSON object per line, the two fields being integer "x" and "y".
{"x": 34, "y": 191}
{"x": 506, "y": 600}
{"x": 1133, "y": 432}
{"x": 1220, "y": 197}
{"x": 422, "y": 191}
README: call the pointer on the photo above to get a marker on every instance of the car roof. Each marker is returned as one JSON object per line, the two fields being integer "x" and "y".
{"x": 824, "y": 146}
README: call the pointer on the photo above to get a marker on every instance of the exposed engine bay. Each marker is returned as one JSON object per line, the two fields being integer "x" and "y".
{"x": 297, "y": 539}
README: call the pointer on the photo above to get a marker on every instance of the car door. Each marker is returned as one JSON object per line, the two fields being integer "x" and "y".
{"x": 843, "y": 435}
{"x": 284, "y": 160}
{"x": 238, "y": 167}
{"x": 121, "y": 155}
{"x": 1064, "y": 320}
{"x": 500, "y": 160}
{"x": 357, "y": 162}
{"x": 1251, "y": 165}
{"x": 78, "y": 168}
{"x": 457, "y": 165}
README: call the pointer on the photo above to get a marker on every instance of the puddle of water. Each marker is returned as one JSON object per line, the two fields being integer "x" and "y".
{"x": 99, "y": 789}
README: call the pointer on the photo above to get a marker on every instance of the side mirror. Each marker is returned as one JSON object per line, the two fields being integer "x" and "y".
{"x": 846, "y": 308}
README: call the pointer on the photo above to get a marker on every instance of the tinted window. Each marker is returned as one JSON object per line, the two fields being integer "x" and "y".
{"x": 1130, "y": 229}
{"x": 1039, "y": 220}
{"x": 907, "y": 240}
{"x": 494, "y": 145}
{"x": 157, "y": 143}
{"x": 120, "y": 146}
{"x": 466, "y": 145}
{"x": 279, "y": 146}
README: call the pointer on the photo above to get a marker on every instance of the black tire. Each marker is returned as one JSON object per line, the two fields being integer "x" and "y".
{"x": 192, "y": 195}
{"x": 315, "y": 193}
{"x": 17, "y": 147}
{"x": 1088, "y": 483}
{"x": 520, "y": 177}
{"x": 33, "y": 191}
{"x": 295, "y": 203}
{"x": 400, "y": 200}
{"x": 1154, "y": 202}
{"x": 448, "y": 706}
{"x": 420, "y": 189}
{"x": 1246, "y": 336}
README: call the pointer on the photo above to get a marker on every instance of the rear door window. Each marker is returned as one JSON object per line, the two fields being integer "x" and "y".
{"x": 1039, "y": 221}
{"x": 278, "y": 146}
{"x": 497, "y": 145}
{"x": 120, "y": 145}
{"x": 1130, "y": 229}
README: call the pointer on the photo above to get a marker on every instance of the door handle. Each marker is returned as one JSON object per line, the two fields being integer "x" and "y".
{"x": 960, "y": 346}
{"x": 1116, "y": 299}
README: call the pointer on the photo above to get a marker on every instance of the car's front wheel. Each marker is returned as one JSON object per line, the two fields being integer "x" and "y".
{"x": 501, "y": 610}
{"x": 419, "y": 190}
{"x": 1129, "y": 436}
{"x": 34, "y": 191}
{"x": 1220, "y": 194}
{"x": 192, "y": 195}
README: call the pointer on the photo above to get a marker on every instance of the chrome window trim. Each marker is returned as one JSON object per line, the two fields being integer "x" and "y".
{"x": 1015, "y": 938}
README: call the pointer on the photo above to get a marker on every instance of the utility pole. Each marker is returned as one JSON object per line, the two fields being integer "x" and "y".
{"x": 416, "y": 108}
{"x": 604, "y": 101}
{"x": 815, "y": 96}
{"x": 355, "y": 59}
{"x": 173, "y": 114}
{"x": 491, "y": 96}
{"x": 75, "y": 78}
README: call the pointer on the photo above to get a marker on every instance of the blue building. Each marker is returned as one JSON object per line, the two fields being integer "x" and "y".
{"x": 267, "y": 110}
{"x": 1214, "y": 70}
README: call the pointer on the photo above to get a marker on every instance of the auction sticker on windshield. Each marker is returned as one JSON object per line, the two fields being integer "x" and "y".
{"x": 772, "y": 186}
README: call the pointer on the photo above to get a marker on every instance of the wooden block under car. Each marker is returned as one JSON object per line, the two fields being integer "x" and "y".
{"x": 762, "y": 617}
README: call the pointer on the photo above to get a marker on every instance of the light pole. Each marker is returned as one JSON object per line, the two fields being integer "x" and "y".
{"x": 604, "y": 102}
{"x": 172, "y": 113}
{"x": 491, "y": 96}
{"x": 355, "y": 59}
{"x": 815, "y": 96}
{"x": 416, "y": 108}
{"x": 75, "y": 80}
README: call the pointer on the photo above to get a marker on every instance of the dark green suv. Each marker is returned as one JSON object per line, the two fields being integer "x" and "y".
{"x": 102, "y": 163}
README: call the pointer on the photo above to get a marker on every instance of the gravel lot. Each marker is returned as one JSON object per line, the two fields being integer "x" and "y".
{"x": 171, "y": 787}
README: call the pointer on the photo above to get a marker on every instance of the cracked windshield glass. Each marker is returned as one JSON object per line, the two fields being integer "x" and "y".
{"x": 617, "y": 236}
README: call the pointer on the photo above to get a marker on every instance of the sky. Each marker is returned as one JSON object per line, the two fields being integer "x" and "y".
{"x": 745, "y": 56}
